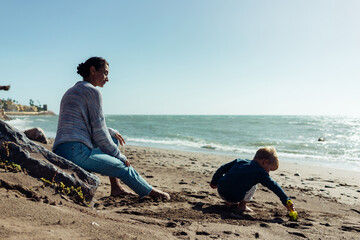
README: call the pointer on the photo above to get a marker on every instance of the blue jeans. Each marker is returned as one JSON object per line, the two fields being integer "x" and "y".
{"x": 94, "y": 160}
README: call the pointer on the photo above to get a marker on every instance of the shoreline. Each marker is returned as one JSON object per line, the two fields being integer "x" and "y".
{"x": 30, "y": 113}
{"x": 311, "y": 162}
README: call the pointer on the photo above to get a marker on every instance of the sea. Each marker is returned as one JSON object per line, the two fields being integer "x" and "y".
{"x": 331, "y": 141}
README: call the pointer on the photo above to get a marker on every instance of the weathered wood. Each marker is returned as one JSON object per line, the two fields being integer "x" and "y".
{"x": 42, "y": 163}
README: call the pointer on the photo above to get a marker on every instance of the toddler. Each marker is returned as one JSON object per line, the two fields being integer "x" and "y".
{"x": 236, "y": 181}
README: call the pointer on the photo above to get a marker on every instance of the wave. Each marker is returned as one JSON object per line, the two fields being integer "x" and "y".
{"x": 347, "y": 162}
{"x": 20, "y": 123}
{"x": 192, "y": 145}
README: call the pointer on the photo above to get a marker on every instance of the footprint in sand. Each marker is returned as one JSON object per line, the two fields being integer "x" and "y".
{"x": 298, "y": 234}
{"x": 202, "y": 233}
{"x": 350, "y": 228}
{"x": 181, "y": 233}
{"x": 170, "y": 225}
{"x": 182, "y": 182}
{"x": 264, "y": 225}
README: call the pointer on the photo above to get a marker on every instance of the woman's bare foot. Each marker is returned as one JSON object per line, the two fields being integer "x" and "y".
{"x": 242, "y": 207}
{"x": 117, "y": 189}
{"x": 121, "y": 192}
{"x": 155, "y": 193}
{"x": 246, "y": 209}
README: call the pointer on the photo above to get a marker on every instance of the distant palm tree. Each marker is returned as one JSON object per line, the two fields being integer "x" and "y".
{"x": 6, "y": 88}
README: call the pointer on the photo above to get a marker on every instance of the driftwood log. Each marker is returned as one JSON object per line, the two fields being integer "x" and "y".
{"x": 42, "y": 163}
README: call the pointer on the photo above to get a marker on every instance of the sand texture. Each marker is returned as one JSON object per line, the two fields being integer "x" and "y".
{"x": 327, "y": 201}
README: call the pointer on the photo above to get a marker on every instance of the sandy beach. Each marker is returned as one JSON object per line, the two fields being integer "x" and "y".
{"x": 327, "y": 201}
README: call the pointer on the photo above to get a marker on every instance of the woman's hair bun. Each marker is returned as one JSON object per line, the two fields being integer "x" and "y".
{"x": 80, "y": 69}
{"x": 83, "y": 69}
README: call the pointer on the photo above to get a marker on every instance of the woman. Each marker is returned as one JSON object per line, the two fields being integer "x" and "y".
{"x": 83, "y": 138}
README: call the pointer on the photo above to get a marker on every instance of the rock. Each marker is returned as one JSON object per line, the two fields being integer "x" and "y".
{"x": 42, "y": 163}
{"x": 36, "y": 134}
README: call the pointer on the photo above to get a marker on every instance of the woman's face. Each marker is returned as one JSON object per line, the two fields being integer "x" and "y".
{"x": 100, "y": 77}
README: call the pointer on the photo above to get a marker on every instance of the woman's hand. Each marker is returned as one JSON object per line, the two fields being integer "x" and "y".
{"x": 121, "y": 140}
{"x": 127, "y": 163}
{"x": 213, "y": 186}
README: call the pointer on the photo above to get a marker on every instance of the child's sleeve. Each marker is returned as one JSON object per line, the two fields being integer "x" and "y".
{"x": 221, "y": 171}
{"x": 268, "y": 182}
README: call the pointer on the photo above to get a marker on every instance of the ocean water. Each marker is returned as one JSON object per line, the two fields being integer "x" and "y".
{"x": 296, "y": 138}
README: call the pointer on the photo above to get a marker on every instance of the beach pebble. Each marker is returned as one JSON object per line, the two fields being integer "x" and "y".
{"x": 95, "y": 224}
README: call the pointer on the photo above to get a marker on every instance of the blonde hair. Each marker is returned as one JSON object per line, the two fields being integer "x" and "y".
{"x": 270, "y": 154}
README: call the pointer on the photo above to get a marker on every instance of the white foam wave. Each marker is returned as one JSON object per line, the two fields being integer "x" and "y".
{"x": 200, "y": 145}
{"x": 246, "y": 152}
{"x": 20, "y": 123}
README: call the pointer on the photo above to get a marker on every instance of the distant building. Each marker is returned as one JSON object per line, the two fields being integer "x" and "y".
{"x": 10, "y": 106}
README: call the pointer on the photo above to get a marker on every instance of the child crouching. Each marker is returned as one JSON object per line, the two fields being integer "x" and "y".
{"x": 236, "y": 181}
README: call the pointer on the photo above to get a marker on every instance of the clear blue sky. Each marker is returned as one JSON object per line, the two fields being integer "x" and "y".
{"x": 188, "y": 57}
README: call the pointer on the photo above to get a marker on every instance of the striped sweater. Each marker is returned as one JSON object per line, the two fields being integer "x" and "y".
{"x": 81, "y": 119}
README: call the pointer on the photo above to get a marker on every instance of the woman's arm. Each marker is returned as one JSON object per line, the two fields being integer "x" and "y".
{"x": 114, "y": 133}
{"x": 100, "y": 133}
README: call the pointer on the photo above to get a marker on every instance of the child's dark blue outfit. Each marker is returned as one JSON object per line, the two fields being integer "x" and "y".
{"x": 235, "y": 178}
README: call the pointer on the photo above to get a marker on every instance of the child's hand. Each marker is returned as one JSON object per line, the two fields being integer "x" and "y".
{"x": 292, "y": 213}
{"x": 290, "y": 207}
{"x": 213, "y": 186}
